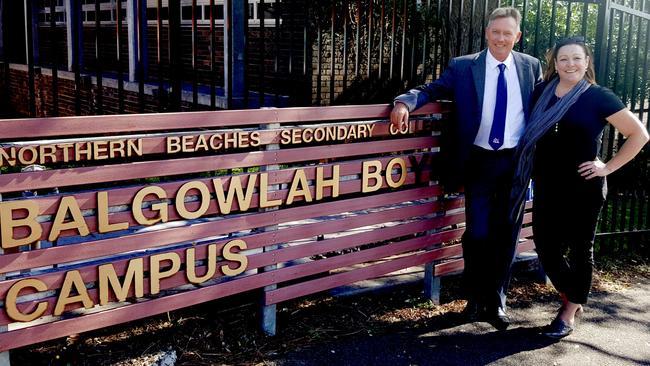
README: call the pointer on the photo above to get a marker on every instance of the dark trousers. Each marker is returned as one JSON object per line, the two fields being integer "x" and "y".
{"x": 490, "y": 239}
{"x": 565, "y": 216}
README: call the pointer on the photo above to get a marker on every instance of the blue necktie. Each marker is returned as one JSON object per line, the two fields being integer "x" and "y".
{"x": 499, "y": 121}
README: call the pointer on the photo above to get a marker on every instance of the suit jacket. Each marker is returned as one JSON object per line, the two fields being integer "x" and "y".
{"x": 463, "y": 82}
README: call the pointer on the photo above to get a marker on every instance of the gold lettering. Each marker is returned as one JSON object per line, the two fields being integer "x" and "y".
{"x": 299, "y": 179}
{"x": 242, "y": 140}
{"x": 155, "y": 275}
{"x": 235, "y": 191}
{"x": 190, "y": 264}
{"x": 21, "y": 155}
{"x": 361, "y": 131}
{"x": 218, "y": 144}
{"x": 100, "y": 149}
{"x": 389, "y": 172}
{"x": 161, "y": 207}
{"x": 307, "y": 135}
{"x": 418, "y": 164}
{"x": 392, "y": 129}
{"x": 173, "y": 144}
{"x": 72, "y": 279}
{"x": 321, "y": 131}
{"x": 264, "y": 192}
{"x": 295, "y": 136}
{"x": 230, "y": 140}
{"x": 331, "y": 133}
{"x": 401, "y": 130}
{"x": 366, "y": 175}
{"x": 78, "y": 150}
{"x": 66, "y": 151}
{"x": 235, "y": 257}
{"x": 108, "y": 278}
{"x": 102, "y": 215}
{"x": 8, "y": 223}
{"x": 9, "y": 158}
{"x": 352, "y": 132}
{"x": 68, "y": 204}
{"x": 371, "y": 127}
{"x": 187, "y": 143}
{"x": 204, "y": 197}
{"x": 47, "y": 151}
{"x": 321, "y": 182}
{"x": 12, "y": 295}
{"x": 134, "y": 145}
{"x": 285, "y": 137}
{"x": 201, "y": 143}
{"x": 115, "y": 147}
{"x": 342, "y": 133}
{"x": 255, "y": 138}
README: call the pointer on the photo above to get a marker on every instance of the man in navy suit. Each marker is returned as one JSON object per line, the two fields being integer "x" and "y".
{"x": 491, "y": 90}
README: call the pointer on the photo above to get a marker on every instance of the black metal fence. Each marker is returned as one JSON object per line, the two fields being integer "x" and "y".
{"x": 117, "y": 56}
{"x": 623, "y": 57}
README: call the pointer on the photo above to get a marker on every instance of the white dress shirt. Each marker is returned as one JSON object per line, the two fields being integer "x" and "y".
{"x": 515, "y": 121}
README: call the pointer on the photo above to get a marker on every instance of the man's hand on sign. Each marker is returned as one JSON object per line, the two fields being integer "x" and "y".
{"x": 399, "y": 116}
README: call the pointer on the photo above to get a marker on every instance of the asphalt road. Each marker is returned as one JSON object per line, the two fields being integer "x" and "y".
{"x": 614, "y": 330}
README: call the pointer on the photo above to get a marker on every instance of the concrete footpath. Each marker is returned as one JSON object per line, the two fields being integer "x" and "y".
{"x": 614, "y": 330}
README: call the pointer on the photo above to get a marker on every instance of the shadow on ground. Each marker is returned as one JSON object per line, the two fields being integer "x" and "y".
{"x": 422, "y": 348}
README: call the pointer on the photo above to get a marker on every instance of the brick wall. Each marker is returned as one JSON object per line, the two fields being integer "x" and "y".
{"x": 16, "y": 86}
{"x": 290, "y": 45}
{"x": 349, "y": 87}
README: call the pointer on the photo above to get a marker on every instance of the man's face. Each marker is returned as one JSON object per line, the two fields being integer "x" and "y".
{"x": 502, "y": 34}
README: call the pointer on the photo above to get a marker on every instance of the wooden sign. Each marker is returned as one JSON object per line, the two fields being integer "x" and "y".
{"x": 136, "y": 215}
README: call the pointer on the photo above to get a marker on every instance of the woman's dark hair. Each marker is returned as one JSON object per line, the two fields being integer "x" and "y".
{"x": 551, "y": 55}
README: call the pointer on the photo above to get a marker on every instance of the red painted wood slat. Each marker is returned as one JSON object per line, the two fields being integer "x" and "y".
{"x": 104, "y": 247}
{"x": 345, "y": 187}
{"x": 455, "y": 266}
{"x": 255, "y": 261}
{"x": 124, "y": 195}
{"x": 259, "y": 240}
{"x": 88, "y": 125}
{"x": 309, "y": 287}
{"x": 39, "y": 333}
{"x": 25, "y": 336}
{"x": 158, "y": 144}
{"x": 311, "y": 268}
{"x": 120, "y": 172}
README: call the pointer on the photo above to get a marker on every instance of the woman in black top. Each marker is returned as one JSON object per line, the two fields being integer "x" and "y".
{"x": 563, "y": 138}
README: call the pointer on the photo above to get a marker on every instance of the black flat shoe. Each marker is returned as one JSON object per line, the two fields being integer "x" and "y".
{"x": 472, "y": 311}
{"x": 498, "y": 318}
{"x": 558, "y": 329}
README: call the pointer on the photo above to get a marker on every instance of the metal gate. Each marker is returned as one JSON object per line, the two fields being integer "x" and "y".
{"x": 622, "y": 54}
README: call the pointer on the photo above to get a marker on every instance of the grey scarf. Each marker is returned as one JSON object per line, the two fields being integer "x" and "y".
{"x": 541, "y": 120}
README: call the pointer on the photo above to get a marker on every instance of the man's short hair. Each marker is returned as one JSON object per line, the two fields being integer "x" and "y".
{"x": 505, "y": 12}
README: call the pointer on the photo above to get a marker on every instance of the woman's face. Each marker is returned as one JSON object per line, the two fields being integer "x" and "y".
{"x": 571, "y": 63}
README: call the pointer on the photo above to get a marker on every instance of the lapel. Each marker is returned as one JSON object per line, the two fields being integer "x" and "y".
{"x": 525, "y": 82}
{"x": 478, "y": 73}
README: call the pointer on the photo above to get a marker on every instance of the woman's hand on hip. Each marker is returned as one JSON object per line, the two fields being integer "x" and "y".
{"x": 591, "y": 169}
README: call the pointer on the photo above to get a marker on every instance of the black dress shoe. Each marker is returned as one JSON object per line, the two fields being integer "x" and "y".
{"x": 473, "y": 311}
{"x": 498, "y": 318}
{"x": 558, "y": 329}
